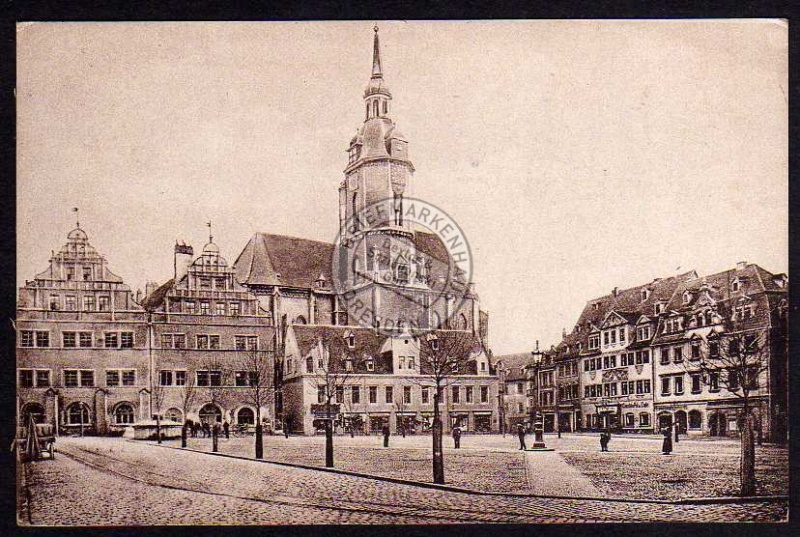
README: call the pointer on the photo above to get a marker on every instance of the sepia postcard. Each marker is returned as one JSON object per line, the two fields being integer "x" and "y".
{"x": 401, "y": 272}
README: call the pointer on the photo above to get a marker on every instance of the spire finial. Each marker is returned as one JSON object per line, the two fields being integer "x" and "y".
{"x": 376, "y": 55}
{"x": 210, "y": 236}
{"x": 77, "y": 218}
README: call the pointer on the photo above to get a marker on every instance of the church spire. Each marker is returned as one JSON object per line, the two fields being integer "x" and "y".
{"x": 376, "y": 56}
{"x": 377, "y": 95}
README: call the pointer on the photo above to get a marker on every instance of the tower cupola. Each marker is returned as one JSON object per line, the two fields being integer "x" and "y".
{"x": 376, "y": 94}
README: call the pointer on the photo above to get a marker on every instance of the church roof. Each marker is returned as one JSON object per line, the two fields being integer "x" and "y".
{"x": 286, "y": 261}
{"x": 300, "y": 262}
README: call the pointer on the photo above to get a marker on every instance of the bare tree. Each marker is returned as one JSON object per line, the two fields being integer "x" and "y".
{"x": 187, "y": 395}
{"x": 258, "y": 367}
{"x": 737, "y": 362}
{"x": 332, "y": 374}
{"x": 444, "y": 355}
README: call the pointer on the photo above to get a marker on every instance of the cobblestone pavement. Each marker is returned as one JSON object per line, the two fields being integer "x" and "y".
{"x": 105, "y": 481}
{"x": 479, "y": 469}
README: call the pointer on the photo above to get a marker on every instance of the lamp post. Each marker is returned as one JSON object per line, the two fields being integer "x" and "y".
{"x": 536, "y": 418}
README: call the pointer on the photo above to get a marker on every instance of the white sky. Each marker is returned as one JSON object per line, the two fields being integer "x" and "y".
{"x": 576, "y": 155}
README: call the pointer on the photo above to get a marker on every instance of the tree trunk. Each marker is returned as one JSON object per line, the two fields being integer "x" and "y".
{"x": 328, "y": 437}
{"x": 259, "y": 435}
{"x": 748, "y": 457}
{"x": 214, "y": 439}
{"x": 183, "y": 435}
{"x": 438, "y": 459}
{"x": 158, "y": 428}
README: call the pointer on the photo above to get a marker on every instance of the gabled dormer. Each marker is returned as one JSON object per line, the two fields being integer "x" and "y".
{"x": 644, "y": 328}
{"x": 659, "y": 307}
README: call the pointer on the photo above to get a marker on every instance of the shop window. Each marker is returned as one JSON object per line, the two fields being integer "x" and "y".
{"x": 630, "y": 420}
{"x": 644, "y": 419}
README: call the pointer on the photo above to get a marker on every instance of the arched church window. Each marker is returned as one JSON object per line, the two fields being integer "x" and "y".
{"x": 385, "y": 107}
{"x": 375, "y": 108}
{"x": 367, "y": 116}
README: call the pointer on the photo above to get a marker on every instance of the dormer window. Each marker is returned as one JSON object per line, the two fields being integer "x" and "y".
{"x": 658, "y": 307}
{"x": 736, "y": 285}
{"x": 596, "y": 306}
{"x": 370, "y": 365}
{"x": 645, "y": 294}
{"x": 594, "y": 341}
{"x": 351, "y": 340}
{"x": 687, "y": 297}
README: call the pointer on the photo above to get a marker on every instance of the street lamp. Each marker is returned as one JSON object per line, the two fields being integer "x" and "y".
{"x": 536, "y": 418}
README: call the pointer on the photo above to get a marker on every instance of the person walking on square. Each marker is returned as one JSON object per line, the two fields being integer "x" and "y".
{"x": 457, "y": 436}
{"x": 385, "y": 431}
{"x": 286, "y": 428}
{"x": 521, "y": 435}
{"x": 227, "y": 428}
{"x": 666, "y": 447}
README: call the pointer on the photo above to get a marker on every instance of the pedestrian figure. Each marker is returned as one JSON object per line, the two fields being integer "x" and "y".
{"x": 286, "y": 428}
{"x": 666, "y": 447}
{"x": 457, "y": 436}
{"x": 227, "y": 428}
{"x": 196, "y": 429}
{"x": 605, "y": 436}
{"x": 521, "y": 435}
{"x": 206, "y": 430}
{"x": 385, "y": 431}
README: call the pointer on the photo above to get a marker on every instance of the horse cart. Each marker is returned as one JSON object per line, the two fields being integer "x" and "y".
{"x": 35, "y": 440}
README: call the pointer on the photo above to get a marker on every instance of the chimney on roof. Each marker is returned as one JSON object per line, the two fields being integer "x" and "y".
{"x": 138, "y": 296}
{"x": 740, "y": 265}
{"x": 563, "y": 333}
{"x": 182, "y": 260}
{"x": 149, "y": 288}
{"x": 615, "y": 292}
{"x": 780, "y": 279}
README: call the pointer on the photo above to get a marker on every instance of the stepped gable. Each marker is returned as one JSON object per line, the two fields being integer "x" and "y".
{"x": 285, "y": 261}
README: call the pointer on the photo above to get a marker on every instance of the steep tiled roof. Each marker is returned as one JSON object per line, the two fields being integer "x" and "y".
{"x": 298, "y": 262}
{"x": 515, "y": 364}
{"x": 156, "y": 298}
{"x": 627, "y": 302}
{"x": 367, "y": 344}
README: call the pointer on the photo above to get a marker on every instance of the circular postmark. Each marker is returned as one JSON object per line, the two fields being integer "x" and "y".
{"x": 403, "y": 264}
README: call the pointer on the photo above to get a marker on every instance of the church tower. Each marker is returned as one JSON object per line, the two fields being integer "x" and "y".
{"x": 379, "y": 261}
{"x": 379, "y": 168}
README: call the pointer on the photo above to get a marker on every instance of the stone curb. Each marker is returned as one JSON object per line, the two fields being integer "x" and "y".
{"x": 450, "y": 488}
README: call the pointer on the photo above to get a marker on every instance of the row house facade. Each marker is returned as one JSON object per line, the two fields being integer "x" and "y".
{"x": 384, "y": 380}
{"x": 644, "y": 356}
{"x": 717, "y": 320}
{"x": 514, "y": 389}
